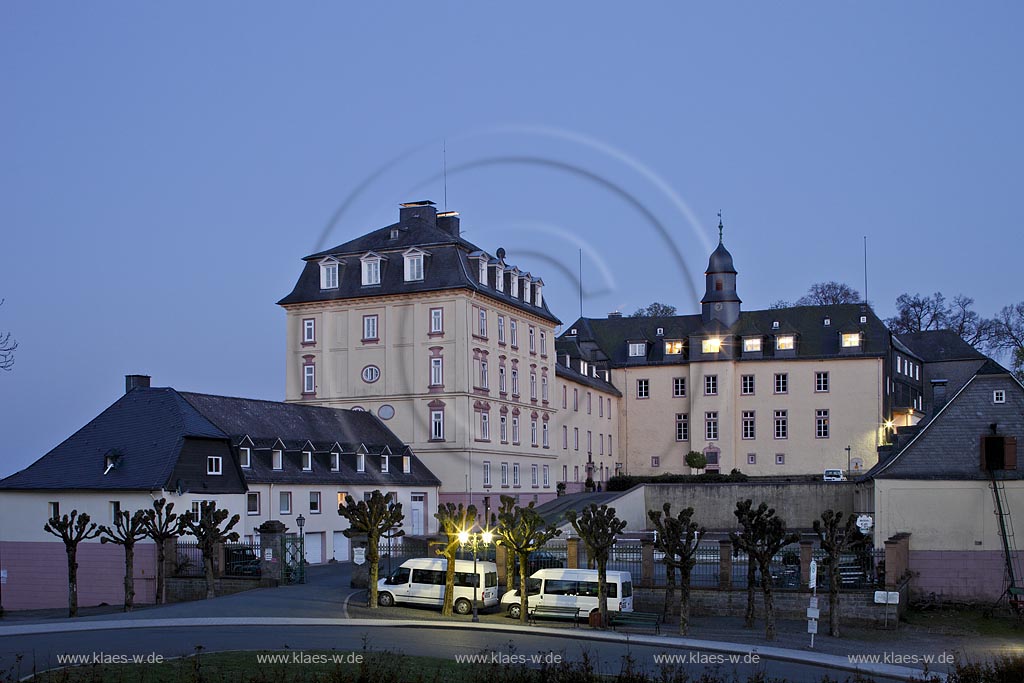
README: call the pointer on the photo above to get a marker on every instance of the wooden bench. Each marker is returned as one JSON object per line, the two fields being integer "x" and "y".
{"x": 643, "y": 619}
{"x": 555, "y": 611}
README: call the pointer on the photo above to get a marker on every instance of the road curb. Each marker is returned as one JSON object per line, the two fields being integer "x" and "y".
{"x": 831, "y": 662}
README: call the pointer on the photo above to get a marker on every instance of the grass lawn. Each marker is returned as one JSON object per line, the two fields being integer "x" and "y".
{"x": 966, "y": 621}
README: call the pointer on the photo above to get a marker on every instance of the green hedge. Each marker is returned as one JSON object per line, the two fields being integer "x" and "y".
{"x": 624, "y": 482}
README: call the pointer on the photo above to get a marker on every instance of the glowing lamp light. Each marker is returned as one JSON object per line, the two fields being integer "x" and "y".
{"x": 889, "y": 424}
{"x": 463, "y": 537}
{"x": 488, "y": 537}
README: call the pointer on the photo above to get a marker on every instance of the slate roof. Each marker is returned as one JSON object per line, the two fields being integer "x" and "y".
{"x": 593, "y": 382}
{"x": 814, "y": 339}
{"x": 448, "y": 266}
{"x": 147, "y": 427}
{"x": 940, "y": 345}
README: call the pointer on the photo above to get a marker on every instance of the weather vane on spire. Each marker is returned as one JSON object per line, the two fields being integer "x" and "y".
{"x": 720, "y": 227}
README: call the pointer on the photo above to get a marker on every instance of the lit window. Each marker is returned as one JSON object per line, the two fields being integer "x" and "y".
{"x": 710, "y": 385}
{"x": 214, "y": 465}
{"x": 682, "y": 427}
{"x": 436, "y": 320}
{"x": 285, "y": 503}
{"x": 821, "y": 424}
{"x": 747, "y": 385}
{"x": 851, "y": 339}
{"x": 329, "y": 275}
{"x": 314, "y": 502}
{"x": 781, "y": 383}
{"x": 413, "y": 267}
{"x": 637, "y": 350}
{"x": 370, "y": 328}
{"x": 785, "y": 342}
{"x": 678, "y": 387}
{"x": 276, "y": 458}
{"x": 307, "y": 461}
{"x": 781, "y": 424}
{"x": 437, "y": 425}
{"x": 752, "y": 344}
{"x": 245, "y": 457}
{"x": 371, "y": 270}
{"x": 821, "y": 381}
{"x": 308, "y": 379}
{"x": 643, "y": 388}
{"x": 748, "y": 425}
{"x": 308, "y": 331}
{"x": 711, "y": 425}
{"x": 713, "y": 345}
{"x": 673, "y": 348}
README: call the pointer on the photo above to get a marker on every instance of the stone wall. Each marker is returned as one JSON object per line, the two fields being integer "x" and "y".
{"x": 186, "y": 589}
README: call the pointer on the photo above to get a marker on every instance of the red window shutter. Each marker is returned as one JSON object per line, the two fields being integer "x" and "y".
{"x": 1010, "y": 453}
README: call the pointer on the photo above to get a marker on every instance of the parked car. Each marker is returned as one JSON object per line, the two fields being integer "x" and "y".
{"x": 834, "y": 475}
{"x": 241, "y": 561}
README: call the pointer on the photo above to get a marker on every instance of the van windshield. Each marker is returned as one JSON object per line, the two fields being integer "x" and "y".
{"x": 399, "y": 577}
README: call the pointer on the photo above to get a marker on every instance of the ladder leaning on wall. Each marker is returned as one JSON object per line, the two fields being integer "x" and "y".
{"x": 1013, "y": 570}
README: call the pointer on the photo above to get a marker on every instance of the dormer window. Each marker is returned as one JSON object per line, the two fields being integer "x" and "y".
{"x": 385, "y": 464}
{"x": 712, "y": 345}
{"x": 785, "y": 342}
{"x": 307, "y": 461}
{"x": 863, "y": 319}
{"x": 276, "y": 460}
{"x": 513, "y": 283}
{"x": 406, "y": 464}
{"x": 394, "y": 233}
{"x": 526, "y": 288}
{"x": 637, "y": 349}
{"x": 752, "y": 345}
{"x": 673, "y": 348}
{"x": 109, "y": 462}
{"x": 360, "y": 463}
{"x": 482, "y": 270}
{"x": 850, "y": 340}
{"x": 538, "y": 299}
{"x": 371, "y": 269}
{"x": 329, "y": 274}
{"x": 499, "y": 278}
{"x": 413, "y": 265}
{"x": 335, "y": 462}
{"x": 775, "y": 324}
{"x": 828, "y": 321}
{"x": 660, "y": 332}
{"x": 245, "y": 457}
{"x": 214, "y": 465}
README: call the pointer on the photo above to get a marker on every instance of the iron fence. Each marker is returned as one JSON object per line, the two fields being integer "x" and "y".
{"x": 188, "y": 560}
{"x": 242, "y": 560}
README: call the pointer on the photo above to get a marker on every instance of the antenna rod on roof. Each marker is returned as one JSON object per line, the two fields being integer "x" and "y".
{"x": 444, "y": 169}
{"x": 865, "y": 269}
{"x": 581, "y": 283}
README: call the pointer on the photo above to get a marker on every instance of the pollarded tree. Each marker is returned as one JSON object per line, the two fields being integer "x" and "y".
{"x": 372, "y": 518}
{"x": 162, "y": 524}
{"x": 598, "y": 528}
{"x": 209, "y": 533}
{"x": 678, "y": 538}
{"x": 741, "y": 540}
{"x": 453, "y": 520}
{"x": 522, "y": 530}
{"x": 508, "y": 504}
{"x": 72, "y": 529}
{"x": 128, "y": 529}
{"x": 767, "y": 536}
{"x": 836, "y": 539}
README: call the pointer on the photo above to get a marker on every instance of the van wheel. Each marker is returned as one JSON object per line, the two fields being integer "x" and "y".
{"x": 515, "y": 611}
{"x": 463, "y": 606}
{"x": 385, "y": 599}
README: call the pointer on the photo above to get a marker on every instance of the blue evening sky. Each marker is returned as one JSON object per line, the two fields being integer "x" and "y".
{"x": 165, "y": 166}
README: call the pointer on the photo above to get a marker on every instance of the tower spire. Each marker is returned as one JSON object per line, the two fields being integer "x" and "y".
{"x": 720, "y": 226}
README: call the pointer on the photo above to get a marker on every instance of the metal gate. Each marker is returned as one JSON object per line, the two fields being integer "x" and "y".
{"x": 294, "y": 554}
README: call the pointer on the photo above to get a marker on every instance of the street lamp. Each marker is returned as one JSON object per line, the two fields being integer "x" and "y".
{"x": 848, "y": 461}
{"x": 475, "y": 540}
{"x": 301, "y": 522}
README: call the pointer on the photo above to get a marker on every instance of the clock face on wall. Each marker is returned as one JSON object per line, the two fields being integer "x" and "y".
{"x": 718, "y": 307}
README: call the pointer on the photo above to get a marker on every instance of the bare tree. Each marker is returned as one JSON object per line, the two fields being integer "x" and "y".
{"x": 508, "y": 504}
{"x": 655, "y": 310}
{"x": 128, "y": 529}
{"x": 598, "y": 527}
{"x": 7, "y": 348}
{"x": 966, "y": 322}
{"x": 828, "y": 294}
{"x": 916, "y": 313}
{"x": 678, "y": 538}
{"x": 72, "y": 529}
{"x": 209, "y": 534}
{"x": 453, "y": 520}
{"x": 522, "y": 530}
{"x": 1008, "y": 335}
{"x": 372, "y": 518}
{"x": 836, "y": 539}
{"x": 162, "y": 524}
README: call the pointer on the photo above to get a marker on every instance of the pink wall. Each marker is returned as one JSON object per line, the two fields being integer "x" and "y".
{"x": 958, "y": 575}
{"x": 37, "y": 574}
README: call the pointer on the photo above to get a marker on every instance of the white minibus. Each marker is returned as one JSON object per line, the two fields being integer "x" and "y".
{"x": 420, "y": 581}
{"x": 571, "y": 588}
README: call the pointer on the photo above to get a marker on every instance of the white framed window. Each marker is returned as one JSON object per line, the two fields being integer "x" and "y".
{"x": 406, "y": 464}
{"x": 515, "y": 430}
{"x": 678, "y": 387}
{"x": 502, "y": 386}
{"x": 673, "y": 348}
{"x": 515, "y": 475}
{"x": 526, "y": 289}
{"x": 821, "y": 382}
{"x": 637, "y": 349}
{"x": 781, "y": 383}
{"x": 513, "y": 333}
{"x": 999, "y": 396}
{"x": 335, "y": 462}
{"x": 533, "y": 339}
{"x": 781, "y": 424}
{"x": 371, "y": 270}
{"x": 370, "y": 328}
{"x": 482, "y": 270}
{"x": 485, "y": 382}
{"x": 370, "y": 374}
{"x": 533, "y": 432}
{"x": 515, "y": 382}
{"x": 504, "y": 474}
{"x": 711, "y": 425}
{"x": 487, "y": 472}
{"x": 485, "y": 426}
{"x": 501, "y": 329}
{"x": 655, "y": 461}
{"x": 436, "y": 372}
{"x": 329, "y": 275}
{"x": 308, "y": 379}
{"x": 214, "y": 465}
{"x": 747, "y": 385}
{"x": 252, "y": 503}
{"x": 413, "y": 267}
{"x": 713, "y": 345}
{"x": 437, "y": 425}
{"x": 546, "y": 472}
{"x": 307, "y": 461}
{"x": 314, "y": 503}
{"x": 748, "y": 425}
{"x": 385, "y": 463}
{"x": 276, "y": 460}
{"x": 534, "y": 476}
{"x": 710, "y": 385}
{"x": 284, "y": 503}
{"x": 499, "y": 278}
{"x": 544, "y": 389}
{"x": 545, "y": 436}
{"x": 309, "y": 331}
{"x": 533, "y": 386}
{"x": 482, "y": 318}
{"x": 643, "y": 388}
{"x": 245, "y": 457}
{"x": 682, "y": 427}
{"x": 821, "y": 429}
{"x": 785, "y": 342}
{"x": 513, "y": 284}
{"x": 436, "y": 321}
{"x": 751, "y": 344}
{"x": 850, "y": 339}
{"x": 543, "y": 342}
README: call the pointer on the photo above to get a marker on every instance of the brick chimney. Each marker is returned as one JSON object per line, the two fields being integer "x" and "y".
{"x": 136, "y": 382}
{"x": 449, "y": 222}
{"x": 423, "y": 210}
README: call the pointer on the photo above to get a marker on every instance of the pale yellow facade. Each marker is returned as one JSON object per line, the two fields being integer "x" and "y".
{"x": 586, "y": 434}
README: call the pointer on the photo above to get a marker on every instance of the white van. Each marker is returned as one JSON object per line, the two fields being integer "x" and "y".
{"x": 421, "y": 582}
{"x": 571, "y": 588}
{"x": 834, "y": 475}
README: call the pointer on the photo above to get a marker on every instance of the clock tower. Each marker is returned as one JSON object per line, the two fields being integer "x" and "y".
{"x": 720, "y": 302}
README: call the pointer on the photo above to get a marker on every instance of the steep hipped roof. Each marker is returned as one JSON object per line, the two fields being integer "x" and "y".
{"x": 448, "y": 265}
{"x": 815, "y": 339}
{"x": 940, "y": 345}
{"x": 587, "y": 380}
{"x": 145, "y": 428}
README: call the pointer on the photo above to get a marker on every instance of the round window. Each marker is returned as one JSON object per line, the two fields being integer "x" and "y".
{"x": 386, "y": 412}
{"x": 371, "y": 373}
